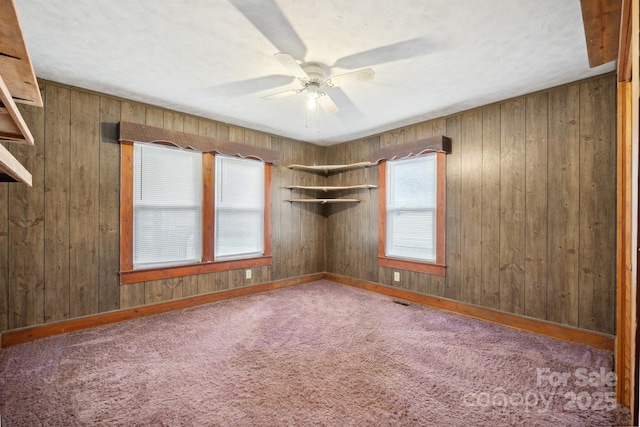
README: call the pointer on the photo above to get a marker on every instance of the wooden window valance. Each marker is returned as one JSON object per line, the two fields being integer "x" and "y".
{"x": 440, "y": 144}
{"x": 141, "y": 133}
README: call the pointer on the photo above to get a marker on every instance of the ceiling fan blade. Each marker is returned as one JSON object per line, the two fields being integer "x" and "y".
{"x": 327, "y": 103}
{"x": 346, "y": 104}
{"x": 392, "y": 52}
{"x": 283, "y": 94}
{"x": 268, "y": 19}
{"x": 245, "y": 87}
{"x": 291, "y": 65}
{"x": 352, "y": 77}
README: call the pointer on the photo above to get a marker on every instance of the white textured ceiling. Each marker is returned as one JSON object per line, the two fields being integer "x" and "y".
{"x": 214, "y": 58}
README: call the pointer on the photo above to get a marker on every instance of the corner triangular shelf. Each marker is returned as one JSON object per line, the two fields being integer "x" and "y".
{"x": 330, "y": 188}
{"x": 324, "y": 201}
{"x": 327, "y": 169}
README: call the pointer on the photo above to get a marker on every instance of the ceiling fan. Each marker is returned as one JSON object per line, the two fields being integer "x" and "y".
{"x": 313, "y": 77}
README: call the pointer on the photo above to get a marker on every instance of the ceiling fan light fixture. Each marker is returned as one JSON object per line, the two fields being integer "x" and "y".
{"x": 312, "y": 96}
{"x": 311, "y": 102}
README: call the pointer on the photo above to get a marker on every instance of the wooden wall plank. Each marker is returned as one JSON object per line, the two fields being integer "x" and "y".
{"x": 221, "y": 281}
{"x": 84, "y": 195}
{"x": 109, "y": 222}
{"x": 279, "y": 207}
{"x": 236, "y": 134}
{"x": 257, "y": 139}
{"x": 490, "y": 251}
{"x": 222, "y": 131}
{"x": 454, "y": 207}
{"x": 153, "y": 117}
{"x": 262, "y": 274}
{"x": 597, "y": 206}
{"x": 206, "y": 284}
{"x": 57, "y": 179}
{"x": 163, "y": 290}
{"x": 236, "y": 279}
{"x": 207, "y": 128}
{"x": 535, "y": 284}
{"x": 26, "y": 224}
{"x": 173, "y": 120}
{"x": 564, "y": 205}
{"x": 512, "y": 206}
{"x": 471, "y": 207}
{"x": 191, "y": 125}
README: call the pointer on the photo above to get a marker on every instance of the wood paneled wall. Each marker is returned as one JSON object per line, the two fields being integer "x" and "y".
{"x": 59, "y": 240}
{"x": 531, "y": 199}
{"x": 531, "y": 207}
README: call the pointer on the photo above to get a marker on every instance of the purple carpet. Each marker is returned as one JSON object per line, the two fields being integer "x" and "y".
{"x": 314, "y": 354}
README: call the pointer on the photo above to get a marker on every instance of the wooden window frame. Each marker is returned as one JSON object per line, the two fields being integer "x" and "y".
{"x": 208, "y": 264}
{"x": 438, "y": 267}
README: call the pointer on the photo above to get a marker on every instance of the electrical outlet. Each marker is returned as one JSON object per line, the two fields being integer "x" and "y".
{"x": 396, "y": 276}
{"x": 247, "y": 274}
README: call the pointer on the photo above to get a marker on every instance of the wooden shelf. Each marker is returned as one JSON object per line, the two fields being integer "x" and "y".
{"x": 11, "y": 170}
{"x": 324, "y": 201}
{"x": 327, "y": 169}
{"x": 17, "y": 84}
{"x": 15, "y": 64}
{"x": 330, "y": 188}
{"x": 12, "y": 126}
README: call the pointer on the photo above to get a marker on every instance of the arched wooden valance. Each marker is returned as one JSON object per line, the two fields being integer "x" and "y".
{"x": 141, "y": 133}
{"x": 439, "y": 143}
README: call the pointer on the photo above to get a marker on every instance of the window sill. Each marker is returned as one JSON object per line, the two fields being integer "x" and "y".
{"x": 420, "y": 267}
{"x": 135, "y": 276}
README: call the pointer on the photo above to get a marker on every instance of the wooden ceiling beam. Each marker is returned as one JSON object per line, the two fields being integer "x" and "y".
{"x": 601, "y": 19}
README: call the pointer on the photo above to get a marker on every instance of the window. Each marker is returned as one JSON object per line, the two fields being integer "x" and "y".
{"x": 239, "y": 208}
{"x": 412, "y": 213}
{"x": 186, "y": 212}
{"x": 167, "y": 206}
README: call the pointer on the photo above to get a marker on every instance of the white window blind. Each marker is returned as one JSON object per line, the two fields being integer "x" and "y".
{"x": 239, "y": 208}
{"x": 167, "y": 219}
{"x": 411, "y": 208}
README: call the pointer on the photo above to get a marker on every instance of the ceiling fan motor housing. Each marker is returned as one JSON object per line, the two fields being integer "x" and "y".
{"x": 315, "y": 71}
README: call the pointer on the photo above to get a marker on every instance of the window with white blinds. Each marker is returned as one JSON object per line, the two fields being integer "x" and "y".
{"x": 411, "y": 208}
{"x": 239, "y": 208}
{"x": 167, "y": 217}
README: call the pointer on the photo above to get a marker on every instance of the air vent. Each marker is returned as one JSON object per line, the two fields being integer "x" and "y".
{"x": 405, "y": 303}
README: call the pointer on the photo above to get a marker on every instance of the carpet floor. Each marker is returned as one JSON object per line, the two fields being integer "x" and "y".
{"x": 313, "y": 354}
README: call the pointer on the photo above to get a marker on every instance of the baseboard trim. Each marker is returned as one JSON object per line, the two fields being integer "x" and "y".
{"x": 554, "y": 330}
{"x": 31, "y": 333}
